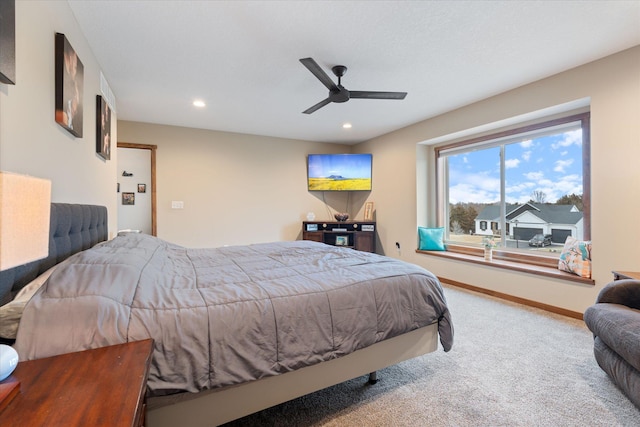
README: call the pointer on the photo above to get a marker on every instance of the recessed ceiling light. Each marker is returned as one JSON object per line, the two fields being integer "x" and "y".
{"x": 346, "y": 126}
{"x": 199, "y": 103}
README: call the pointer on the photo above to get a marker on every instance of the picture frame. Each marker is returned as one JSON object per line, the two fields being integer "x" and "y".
{"x": 8, "y": 42}
{"x": 142, "y": 188}
{"x": 128, "y": 198}
{"x": 103, "y": 128}
{"x": 342, "y": 240}
{"x": 69, "y": 83}
{"x": 368, "y": 211}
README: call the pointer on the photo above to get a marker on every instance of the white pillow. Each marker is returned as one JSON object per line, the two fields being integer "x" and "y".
{"x": 11, "y": 312}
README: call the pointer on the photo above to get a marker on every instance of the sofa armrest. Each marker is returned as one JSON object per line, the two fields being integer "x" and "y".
{"x": 624, "y": 292}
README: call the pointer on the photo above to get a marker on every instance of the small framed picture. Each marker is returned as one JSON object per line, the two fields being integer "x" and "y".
{"x": 103, "y": 128}
{"x": 368, "y": 211}
{"x": 342, "y": 240}
{"x": 142, "y": 188}
{"x": 128, "y": 198}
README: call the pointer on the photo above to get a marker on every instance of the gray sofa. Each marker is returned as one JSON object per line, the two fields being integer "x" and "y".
{"x": 615, "y": 322}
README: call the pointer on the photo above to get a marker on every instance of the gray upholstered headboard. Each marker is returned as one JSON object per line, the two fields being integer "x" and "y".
{"x": 74, "y": 228}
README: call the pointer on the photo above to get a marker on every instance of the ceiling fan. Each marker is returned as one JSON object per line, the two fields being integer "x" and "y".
{"x": 337, "y": 93}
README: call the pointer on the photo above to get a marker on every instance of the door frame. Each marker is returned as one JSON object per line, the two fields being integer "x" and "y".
{"x": 152, "y": 148}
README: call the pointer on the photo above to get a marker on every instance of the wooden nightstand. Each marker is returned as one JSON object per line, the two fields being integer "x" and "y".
{"x": 99, "y": 387}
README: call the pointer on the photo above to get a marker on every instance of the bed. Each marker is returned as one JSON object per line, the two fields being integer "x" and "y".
{"x": 236, "y": 329}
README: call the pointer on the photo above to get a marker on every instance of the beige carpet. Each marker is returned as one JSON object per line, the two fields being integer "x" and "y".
{"x": 510, "y": 366}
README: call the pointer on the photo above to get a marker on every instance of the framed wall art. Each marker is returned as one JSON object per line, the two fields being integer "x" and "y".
{"x": 128, "y": 198}
{"x": 8, "y": 42}
{"x": 142, "y": 188}
{"x": 69, "y": 77}
{"x": 103, "y": 128}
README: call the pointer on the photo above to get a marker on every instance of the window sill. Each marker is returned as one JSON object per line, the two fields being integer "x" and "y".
{"x": 540, "y": 266}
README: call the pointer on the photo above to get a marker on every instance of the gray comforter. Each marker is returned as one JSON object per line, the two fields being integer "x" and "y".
{"x": 232, "y": 314}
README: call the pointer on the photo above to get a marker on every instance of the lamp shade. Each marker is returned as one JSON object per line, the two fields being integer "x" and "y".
{"x": 25, "y": 208}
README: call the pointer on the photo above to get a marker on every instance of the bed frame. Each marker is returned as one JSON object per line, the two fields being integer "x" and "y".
{"x": 215, "y": 407}
{"x": 75, "y": 228}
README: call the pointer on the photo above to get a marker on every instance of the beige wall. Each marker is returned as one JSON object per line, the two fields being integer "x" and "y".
{"x": 613, "y": 85}
{"x": 31, "y": 142}
{"x": 236, "y": 188}
{"x": 241, "y": 189}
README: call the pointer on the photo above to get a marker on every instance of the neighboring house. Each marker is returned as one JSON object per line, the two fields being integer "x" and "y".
{"x": 528, "y": 219}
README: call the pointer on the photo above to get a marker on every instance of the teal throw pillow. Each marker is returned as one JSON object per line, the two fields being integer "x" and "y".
{"x": 431, "y": 239}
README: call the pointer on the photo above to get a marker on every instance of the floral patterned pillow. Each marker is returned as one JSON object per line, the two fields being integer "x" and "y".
{"x": 576, "y": 257}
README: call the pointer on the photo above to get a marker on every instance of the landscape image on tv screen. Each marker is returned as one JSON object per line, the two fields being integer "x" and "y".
{"x": 339, "y": 172}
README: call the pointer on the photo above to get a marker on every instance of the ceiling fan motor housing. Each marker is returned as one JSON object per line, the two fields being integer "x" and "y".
{"x": 340, "y": 95}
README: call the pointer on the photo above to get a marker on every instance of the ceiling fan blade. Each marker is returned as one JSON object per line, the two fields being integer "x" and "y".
{"x": 377, "y": 95}
{"x": 319, "y": 73}
{"x": 318, "y": 106}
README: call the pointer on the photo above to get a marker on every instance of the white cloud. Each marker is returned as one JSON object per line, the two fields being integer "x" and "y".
{"x": 471, "y": 194}
{"x": 526, "y": 144}
{"x": 560, "y": 165}
{"x": 511, "y": 163}
{"x": 475, "y": 188}
{"x": 573, "y": 137}
{"x": 523, "y": 187}
{"x": 553, "y": 190}
{"x": 534, "y": 176}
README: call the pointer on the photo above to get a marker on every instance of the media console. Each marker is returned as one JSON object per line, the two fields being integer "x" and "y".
{"x": 359, "y": 235}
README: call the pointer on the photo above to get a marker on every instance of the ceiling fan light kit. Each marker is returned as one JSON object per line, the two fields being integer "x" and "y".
{"x": 337, "y": 92}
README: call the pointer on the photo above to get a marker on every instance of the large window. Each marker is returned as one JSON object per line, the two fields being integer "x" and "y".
{"x": 527, "y": 188}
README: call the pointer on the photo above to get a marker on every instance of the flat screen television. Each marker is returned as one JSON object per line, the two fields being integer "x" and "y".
{"x": 339, "y": 172}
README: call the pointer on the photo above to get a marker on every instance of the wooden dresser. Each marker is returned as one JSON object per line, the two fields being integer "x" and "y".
{"x": 100, "y": 387}
{"x": 359, "y": 235}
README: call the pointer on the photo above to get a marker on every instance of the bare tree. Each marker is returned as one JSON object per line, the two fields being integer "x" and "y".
{"x": 538, "y": 196}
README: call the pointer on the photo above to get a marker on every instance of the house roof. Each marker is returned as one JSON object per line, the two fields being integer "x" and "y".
{"x": 549, "y": 213}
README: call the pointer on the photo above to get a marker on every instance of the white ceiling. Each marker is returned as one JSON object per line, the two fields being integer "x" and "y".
{"x": 242, "y": 57}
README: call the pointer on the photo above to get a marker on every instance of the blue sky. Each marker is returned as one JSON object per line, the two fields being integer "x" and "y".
{"x": 550, "y": 164}
{"x": 346, "y": 165}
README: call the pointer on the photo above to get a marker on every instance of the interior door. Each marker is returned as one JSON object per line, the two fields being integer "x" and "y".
{"x": 137, "y": 187}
